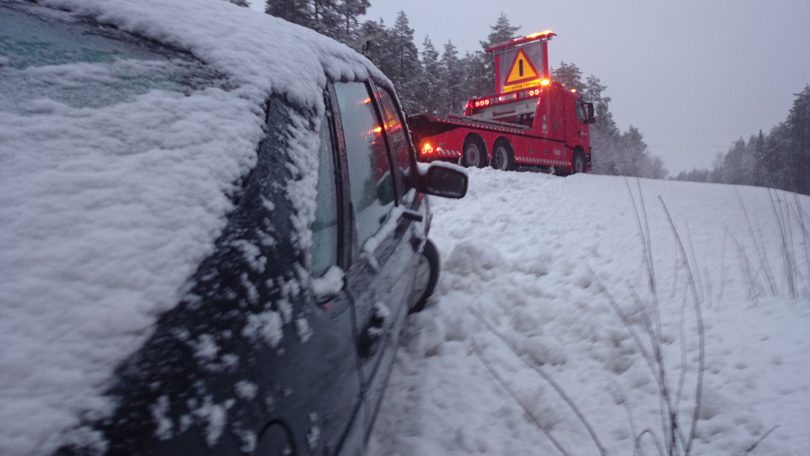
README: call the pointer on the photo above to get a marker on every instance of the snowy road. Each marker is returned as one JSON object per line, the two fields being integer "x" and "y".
{"x": 518, "y": 252}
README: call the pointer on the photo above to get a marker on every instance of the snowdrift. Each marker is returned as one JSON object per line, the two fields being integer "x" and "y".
{"x": 537, "y": 257}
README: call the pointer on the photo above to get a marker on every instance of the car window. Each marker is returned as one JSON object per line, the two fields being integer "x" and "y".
{"x": 325, "y": 227}
{"x": 400, "y": 147}
{"x": 370, "y": 182}
{"x": 49, "y": 54}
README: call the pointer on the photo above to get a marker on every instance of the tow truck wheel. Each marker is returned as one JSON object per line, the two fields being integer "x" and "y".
{"x": 427, "y": 274}
{"x": 502, "y": 157}
{"x": 473, "y": 154}
{"x": 579, "y": 163}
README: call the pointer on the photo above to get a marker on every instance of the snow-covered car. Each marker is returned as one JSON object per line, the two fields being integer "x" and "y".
{"x": 209, "y": 240}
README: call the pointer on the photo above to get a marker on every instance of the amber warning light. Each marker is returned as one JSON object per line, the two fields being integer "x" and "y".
{"x": 544, "y": 34}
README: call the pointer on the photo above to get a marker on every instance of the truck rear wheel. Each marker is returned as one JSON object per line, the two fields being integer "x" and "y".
{"x": 473, "y": 155}
{"x": 502, "y": 158}
{"x": 578, "y": 164}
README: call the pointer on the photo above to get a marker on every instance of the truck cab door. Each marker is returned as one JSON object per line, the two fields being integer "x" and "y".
{"x": 555, "y": 113}
{"x": 572, "y": 123}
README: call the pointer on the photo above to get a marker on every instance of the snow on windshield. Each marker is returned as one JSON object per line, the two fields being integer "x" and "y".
{"x": 116, "y": 164}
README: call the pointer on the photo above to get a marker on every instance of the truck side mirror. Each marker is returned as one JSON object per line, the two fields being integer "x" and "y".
{"x": 590, "y": 116}
{"x": 446, "y": 180}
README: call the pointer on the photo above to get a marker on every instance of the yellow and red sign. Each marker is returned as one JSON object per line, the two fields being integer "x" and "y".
{"x": 522, "y": 74}
{"x": 522, "y": 69}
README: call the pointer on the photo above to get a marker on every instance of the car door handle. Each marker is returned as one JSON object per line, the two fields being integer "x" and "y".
{"x": 405, "y": 218}
{"x": 373, "y": 334}
{"x": 412, "y": 216}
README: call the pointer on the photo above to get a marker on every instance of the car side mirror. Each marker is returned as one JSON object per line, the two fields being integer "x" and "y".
{"x": 446, "y": 180}
{"x": 590, "y": 115}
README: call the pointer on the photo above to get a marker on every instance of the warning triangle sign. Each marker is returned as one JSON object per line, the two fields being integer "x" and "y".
{"x": 522, "y": 69}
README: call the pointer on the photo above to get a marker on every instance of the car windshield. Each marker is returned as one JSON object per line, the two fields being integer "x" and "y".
{"x": 47, "y": 54}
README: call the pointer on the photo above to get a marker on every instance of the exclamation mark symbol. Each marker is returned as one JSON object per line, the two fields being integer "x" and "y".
{"x": 520, "y": 67}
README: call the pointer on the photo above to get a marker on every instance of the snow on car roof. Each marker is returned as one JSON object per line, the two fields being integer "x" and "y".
{"x": 107, "y": 207}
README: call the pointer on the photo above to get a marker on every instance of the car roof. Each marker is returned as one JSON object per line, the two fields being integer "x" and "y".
{"x": 105, "y": 212}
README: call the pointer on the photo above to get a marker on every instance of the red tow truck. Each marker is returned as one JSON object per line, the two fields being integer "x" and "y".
{"x": 531, "y": 121}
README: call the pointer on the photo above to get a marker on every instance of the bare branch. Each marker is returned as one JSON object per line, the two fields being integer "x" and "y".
{"x": 758, "y": 246}
{"x": 669, "y": 420}
{"x": 764, "y": 436}
{"x": 701, "y": 333}
{"x": 560, "y": 391}
{"x": 637, "y": 444}
{"x": 514, "y": 397}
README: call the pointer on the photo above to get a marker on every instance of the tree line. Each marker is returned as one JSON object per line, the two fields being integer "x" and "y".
{"x": 440, "y": 81}
{"x": 778, "y": 159}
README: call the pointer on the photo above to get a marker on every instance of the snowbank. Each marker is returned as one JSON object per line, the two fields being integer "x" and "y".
{"x": 106, "y": 210}
{"x": 517, "y": 250}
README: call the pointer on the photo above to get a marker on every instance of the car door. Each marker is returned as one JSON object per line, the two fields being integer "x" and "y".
{"x": 382, "y": 263}
{"x": 326, "y": 399}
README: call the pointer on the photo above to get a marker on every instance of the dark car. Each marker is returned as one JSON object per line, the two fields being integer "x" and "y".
{"x": 206, "y": 250}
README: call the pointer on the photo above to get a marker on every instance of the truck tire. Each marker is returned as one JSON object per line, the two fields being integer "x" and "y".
{"x": 502, "y": 157}
{"x": 578, "y": 165}
{"x": 473, "y": 154}
{"x": 427, "y": 274}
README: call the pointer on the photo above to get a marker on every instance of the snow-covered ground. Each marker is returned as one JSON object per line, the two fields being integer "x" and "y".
{"x": 518, "y": 253}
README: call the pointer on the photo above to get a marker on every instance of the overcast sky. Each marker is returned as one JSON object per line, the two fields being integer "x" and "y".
{"x": 692, "y": 75}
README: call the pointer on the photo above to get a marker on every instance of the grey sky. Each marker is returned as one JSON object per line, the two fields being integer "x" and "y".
{"x": 691, "y": 75}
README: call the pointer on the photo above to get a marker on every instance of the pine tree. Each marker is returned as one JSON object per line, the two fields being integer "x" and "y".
{"x": 695, "y": 175}
{"x": 798, "y": 156}
{"x": 406, "y": 70}
{"x": 295, "y": 11}
{"x": 452, "y": 78}
{"x": 325, "y": 17}
{"x": 350, "y": 11}
{"x": 569, "y": 75}
{"x": 594, "y": 92}
{"x": 431, "y": 92}
{"x": 478, "y": 77}
{"x": 779, "y": 159}
{"x": 606, "y": 139}
{"x": 760, "y": 173}
{"x": 373, "y": 41}
{"x": 777, "y": 150}
{"x": 738, "y": 163}
{"x": 322, "y": 16}
{"x": 501, "y": 32}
